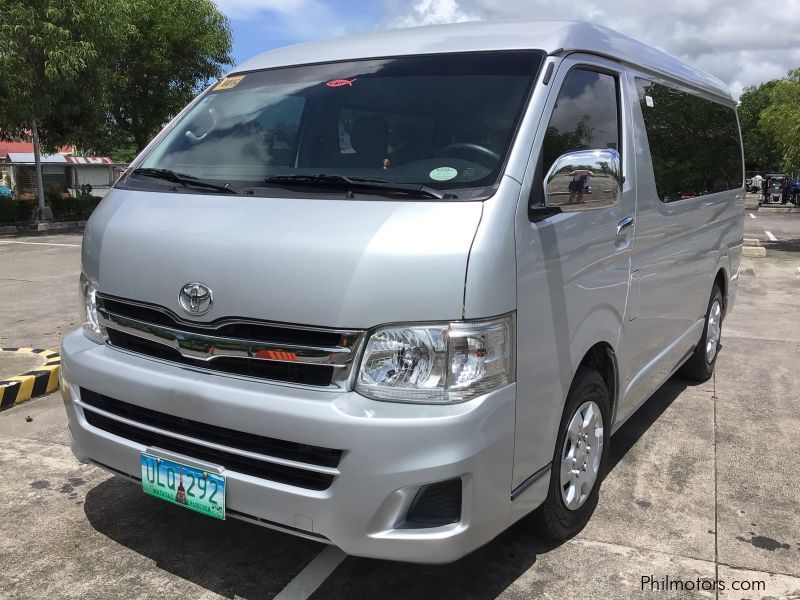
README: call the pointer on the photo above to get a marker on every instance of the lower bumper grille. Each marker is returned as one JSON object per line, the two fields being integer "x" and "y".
{"x": 290, "y": 475}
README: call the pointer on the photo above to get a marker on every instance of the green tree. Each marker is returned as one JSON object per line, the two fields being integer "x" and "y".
{"x": 558, "y": 142}
{"x": 48, "y": 50}
{"x": 781, "y": 119}
{"x": 174, "y": 49}
{"x": 104, "y": 75}
{"x": 761, "y": 150}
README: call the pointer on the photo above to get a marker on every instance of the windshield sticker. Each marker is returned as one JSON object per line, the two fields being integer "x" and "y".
{"x": 443, "y": 173}
{"x": 649, "y": 101}
{"x": 341, "y": 82}
{"x": 228, "y": 83}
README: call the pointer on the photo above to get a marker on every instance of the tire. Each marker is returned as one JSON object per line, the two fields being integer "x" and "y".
{"x": 555, "y": 520}
{"x": 700, "y": 366}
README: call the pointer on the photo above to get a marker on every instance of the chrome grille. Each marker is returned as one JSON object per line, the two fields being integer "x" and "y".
{"x": 320, "y": 358}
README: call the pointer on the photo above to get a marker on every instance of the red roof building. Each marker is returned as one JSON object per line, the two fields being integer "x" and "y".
{"x": 25, "y": 147}
{"x": 62, "y": 173}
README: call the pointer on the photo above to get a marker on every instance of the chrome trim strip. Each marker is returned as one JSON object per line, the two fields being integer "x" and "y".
{"x": 207, "y": 348}
{"x": 184, "y": 460}
{"x": 264, "y": 458}
{"x": 216, "y": 324}
{"x": 336, "y": 385}
{"x": 530, "y": 481}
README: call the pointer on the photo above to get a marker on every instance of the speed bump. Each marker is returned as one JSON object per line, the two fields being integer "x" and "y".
{"x": 32, "y": 384}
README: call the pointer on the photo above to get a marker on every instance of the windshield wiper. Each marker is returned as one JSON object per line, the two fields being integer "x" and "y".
{"x": 183, "y": 179}
{"x": 352, "y": 184}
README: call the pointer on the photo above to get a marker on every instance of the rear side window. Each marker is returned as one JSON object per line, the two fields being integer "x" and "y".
{"x": 694, "y": 142}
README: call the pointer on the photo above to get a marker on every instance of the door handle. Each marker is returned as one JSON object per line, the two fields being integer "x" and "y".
{"x": 624, "y": 224}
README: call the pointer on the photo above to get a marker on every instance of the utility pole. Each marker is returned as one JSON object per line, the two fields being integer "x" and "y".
{"x": 43, "y": 213}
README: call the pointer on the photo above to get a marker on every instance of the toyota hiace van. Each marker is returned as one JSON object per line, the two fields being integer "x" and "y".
{"x": 396, "y": 292}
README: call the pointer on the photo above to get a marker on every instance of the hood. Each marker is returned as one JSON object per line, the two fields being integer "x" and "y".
{"x": 317, "y": 262}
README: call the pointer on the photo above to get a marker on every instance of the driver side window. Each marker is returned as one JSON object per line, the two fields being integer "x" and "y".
{"x": 585, "y": 117}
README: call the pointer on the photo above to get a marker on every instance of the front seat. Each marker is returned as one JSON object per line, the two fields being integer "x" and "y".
{"x": 369, "y": 137}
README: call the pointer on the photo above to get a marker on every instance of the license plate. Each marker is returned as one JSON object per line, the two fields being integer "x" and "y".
{"x": 184, "y": 485}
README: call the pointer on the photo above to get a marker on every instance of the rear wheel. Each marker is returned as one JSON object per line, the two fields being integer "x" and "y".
{"x": 580, "y": 458}
{"x": 700, "y": 365}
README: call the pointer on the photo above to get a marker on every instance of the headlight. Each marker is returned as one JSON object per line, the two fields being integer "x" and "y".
{"x": 438, "y": 363}
{"x": 91, "y": 326}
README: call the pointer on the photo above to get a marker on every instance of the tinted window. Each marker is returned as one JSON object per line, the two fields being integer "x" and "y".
{"x": 407, "y": 135}
{"x": 585, "y": 116}
{"x": 444, "y": 121}
{"x": 694, "y": 142}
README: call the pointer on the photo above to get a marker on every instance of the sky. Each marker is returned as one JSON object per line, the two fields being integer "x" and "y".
{"x": 743, "y": 42}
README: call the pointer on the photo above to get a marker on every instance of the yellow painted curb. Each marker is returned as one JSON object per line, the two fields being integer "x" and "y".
{"x": 32, "y": 384}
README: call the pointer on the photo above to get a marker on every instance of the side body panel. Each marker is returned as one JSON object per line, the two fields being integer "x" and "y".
{"x": 572, "y": 289}
{"x": 678, "y": 249}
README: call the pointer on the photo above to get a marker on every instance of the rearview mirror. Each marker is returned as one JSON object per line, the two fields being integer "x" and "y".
{"x": 584, "y": 179}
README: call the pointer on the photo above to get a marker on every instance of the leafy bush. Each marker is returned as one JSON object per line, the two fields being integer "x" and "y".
{"x": 64, "y": 208}
{"x": 15, "y": 211}
{"x": 67, "y": 207}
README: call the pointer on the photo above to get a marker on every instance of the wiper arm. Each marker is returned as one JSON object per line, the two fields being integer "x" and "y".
{"x": 183, "y": 179}
{"x": 360, "y": 184}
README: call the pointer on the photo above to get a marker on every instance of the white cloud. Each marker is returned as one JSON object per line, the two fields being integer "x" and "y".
{"x": 290, "y": 21}
{"x": 434, "y": 12}
{"x": 246, "y": 9}
{"x": 743, "y": 42}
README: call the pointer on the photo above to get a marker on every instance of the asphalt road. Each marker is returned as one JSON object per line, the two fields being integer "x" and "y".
{"x": 703, "y": 482}
{"x": 778, "y": 232}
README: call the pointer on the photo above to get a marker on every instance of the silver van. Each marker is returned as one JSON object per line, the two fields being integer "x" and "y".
{"x": 457, "y": 260}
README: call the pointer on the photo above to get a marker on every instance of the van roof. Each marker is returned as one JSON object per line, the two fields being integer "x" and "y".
{"x": 551, "y": 35}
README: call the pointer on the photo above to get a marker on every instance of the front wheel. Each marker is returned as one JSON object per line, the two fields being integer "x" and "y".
{"x": 580, "y": 458}
{"x": 700, "y": 365}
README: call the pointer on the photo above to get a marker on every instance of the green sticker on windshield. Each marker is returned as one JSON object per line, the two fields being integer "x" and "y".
{"x": 443, "y": 173}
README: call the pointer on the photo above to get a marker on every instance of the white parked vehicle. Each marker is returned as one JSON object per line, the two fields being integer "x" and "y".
{"x": 458, "y": 260}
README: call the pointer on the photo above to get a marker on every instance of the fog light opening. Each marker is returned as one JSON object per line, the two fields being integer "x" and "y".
{"x": 434, "y": 505}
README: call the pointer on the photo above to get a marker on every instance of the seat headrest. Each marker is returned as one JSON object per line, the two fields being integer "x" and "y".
{"x": 370, "y": 135}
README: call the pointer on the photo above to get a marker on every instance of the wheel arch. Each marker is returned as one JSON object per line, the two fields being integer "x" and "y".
{"x": 602, "y": 358}
{"x": 721, "y": 280}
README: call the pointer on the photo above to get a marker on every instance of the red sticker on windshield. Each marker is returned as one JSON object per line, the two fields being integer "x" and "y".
{"x": 341, "y": 82}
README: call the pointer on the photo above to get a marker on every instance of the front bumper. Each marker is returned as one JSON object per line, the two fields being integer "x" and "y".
{"x": 390, "y": 451}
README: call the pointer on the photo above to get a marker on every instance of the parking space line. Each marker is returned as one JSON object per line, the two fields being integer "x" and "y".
{"x": 771, "y": 237}
{"x": 42, "y": 244}
{"x": 313, "y": 575}
{"x": 752, "y": 216}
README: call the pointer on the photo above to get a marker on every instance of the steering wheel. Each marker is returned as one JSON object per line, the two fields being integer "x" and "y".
{"x": 474, "y": 150}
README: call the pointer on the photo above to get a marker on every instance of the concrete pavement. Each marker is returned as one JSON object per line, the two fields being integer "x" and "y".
{"x": 39, "y": 288}
{"x": 702, "y": 484}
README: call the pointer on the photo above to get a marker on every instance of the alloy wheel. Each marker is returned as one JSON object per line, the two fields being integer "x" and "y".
{"x": 580, "y": 458}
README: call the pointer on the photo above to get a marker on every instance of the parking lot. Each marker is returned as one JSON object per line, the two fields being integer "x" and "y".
{"x": 703, "y": 481}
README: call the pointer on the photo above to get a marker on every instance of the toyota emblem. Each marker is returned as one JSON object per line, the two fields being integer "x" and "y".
{"x": 196, "y": 298}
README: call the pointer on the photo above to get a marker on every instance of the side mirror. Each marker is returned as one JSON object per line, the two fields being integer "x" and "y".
{"x": 584, "y": 179}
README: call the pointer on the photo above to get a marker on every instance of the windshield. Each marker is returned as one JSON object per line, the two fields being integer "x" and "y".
{"x": 444, "y": 121}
